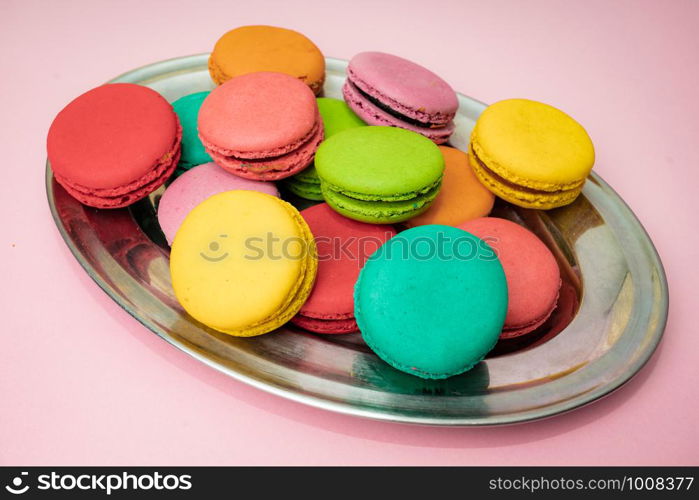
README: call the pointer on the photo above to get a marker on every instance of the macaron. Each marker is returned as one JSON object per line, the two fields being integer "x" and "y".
{"x": 533, "y": 276}
{"x": 384, "y": 89}
{"x": 462, "y": 196}
{"x": 193, "y": 152}
{"x": 531, "y": 154}
{"x": 243, "y": 263}
{"x": 380, "y": 175}
{"x": 261, "y": 126}
{"x": 196, "y": 185}
{"x": 336, "y": 116}
{"x": 249, "y": 49}
{"x": 343, "y": 246}
{"x": 114, "y": 145}
{"x": 431, "y": 301}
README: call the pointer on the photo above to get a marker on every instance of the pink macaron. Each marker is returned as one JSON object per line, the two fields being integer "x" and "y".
{"x": 195, "y": 186}
{"x": 261, "y": 126}
{"x": 384, "y": 89}
{"x": 533, "y": 276}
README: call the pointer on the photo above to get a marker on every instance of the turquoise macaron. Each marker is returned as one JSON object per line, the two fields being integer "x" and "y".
{"x": 431, "y": 301}
{"x": 193, "y": 153}
{"x": 380, "y": 175}
{"x": 337, "y": 116}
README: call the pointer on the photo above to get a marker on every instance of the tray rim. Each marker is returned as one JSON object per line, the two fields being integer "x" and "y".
{"x": 345, "y": 408}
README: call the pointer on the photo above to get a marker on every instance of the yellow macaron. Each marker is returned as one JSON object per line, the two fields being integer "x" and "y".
{"x": 243, "y": 262}
{"x": 531, "y": 154}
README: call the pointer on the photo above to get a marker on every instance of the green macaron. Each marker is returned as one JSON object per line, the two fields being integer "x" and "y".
{"x": 337, "y": 116}
{"x": 193, "y": 152}
{"x": 380, "y": 175}
{"x": 431, "y": 301}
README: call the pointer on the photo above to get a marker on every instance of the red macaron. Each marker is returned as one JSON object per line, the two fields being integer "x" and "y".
{"x": 262, "y": 126}
{"x": 533, "y": 276}
{"x": 343, "y": 245}
{"x": 114, "y": 145}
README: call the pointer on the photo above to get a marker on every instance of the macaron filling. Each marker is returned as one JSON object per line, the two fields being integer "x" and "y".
{"x": 277, "y": 162}
{"x": 388, "y": 109}
{"x": 373, "y": 115}
{"x": 417, "y": 117}
{"x": 270, "y": 154}
{"x": 398, "y": 209}
{"x": 384, "y": 197}
{"x": 520, "y": 187}
{"x": 511, "y": 331}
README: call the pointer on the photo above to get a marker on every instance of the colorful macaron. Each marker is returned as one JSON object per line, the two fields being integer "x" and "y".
{"x": 193, "y": 152}
{"x": 462, "y": 196}
{"x": 431, "y": 301}
{"x": 384, "y": 89}
{"x": 250, "y": 49}
{"x": 336, "y": 116}
{"x": 379, "y": 175}
{"x": 261, "y": 126}
{"x": 196, "y": 185}
{"x": 343, "y": 246}
{"x": 243, "y": 263}
{"x": 533, "y": 276}
{"x": 114, "y": 145}
{"x": 531, "y": 154}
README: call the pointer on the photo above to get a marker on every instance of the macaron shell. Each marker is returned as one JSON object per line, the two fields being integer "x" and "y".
{"x": 274, "y": 168}
{"x": 223, "y": 280}
{"x": 130, "y": 194}
{"x": 462, "y": 196}
{"x": 379, "y": 163}
{"x": 533, "y": 276}
{"x": 534, "y": 145}
{"x": 521, "y": 196}
{"x": 258, "y": 115}
{"x": 406, "y": 87}
{"x": 431, "y": 317}
{"x": 304, "y": 188}
{"x": 343, "y": 246}
{"x": 374, "y": 115}
{"x": 113, "y": 136}
{"x": 326, "y": 326}
{"x": 249, "y": 49}
{"x": 336, "y": 116}
{"x": 187, "y": 109}
{"x": 196, "y": 185}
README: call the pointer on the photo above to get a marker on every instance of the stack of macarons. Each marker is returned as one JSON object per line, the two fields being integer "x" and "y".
{"x": 395, "y": 238}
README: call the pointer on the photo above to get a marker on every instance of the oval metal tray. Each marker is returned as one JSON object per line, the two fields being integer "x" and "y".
{"x": 610, "y": 317}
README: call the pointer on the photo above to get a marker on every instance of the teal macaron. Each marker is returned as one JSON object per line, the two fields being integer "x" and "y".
{"x": 431, "y": 301}
{"x": 380, "y": 175}
{"x": 193, "y": 153}
{"x": 337, "y": 116}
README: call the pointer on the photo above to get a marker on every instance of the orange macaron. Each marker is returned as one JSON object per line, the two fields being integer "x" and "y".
{"x": 249, "y": 49}
{"x": 462, "y": 196}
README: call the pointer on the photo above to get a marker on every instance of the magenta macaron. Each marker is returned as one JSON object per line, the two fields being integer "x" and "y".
{"x": 196, "y": 185}
{"x": 261, "y": 126}
{"x": 532, "y": 274}
{"x": 383, "y": 89}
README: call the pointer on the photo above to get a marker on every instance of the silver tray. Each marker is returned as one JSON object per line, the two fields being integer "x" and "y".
{"x": 610, "y": 318}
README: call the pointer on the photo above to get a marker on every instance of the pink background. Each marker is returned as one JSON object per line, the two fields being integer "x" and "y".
{"x": 81, "y": 382}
